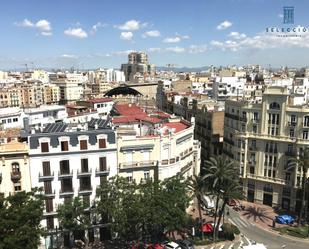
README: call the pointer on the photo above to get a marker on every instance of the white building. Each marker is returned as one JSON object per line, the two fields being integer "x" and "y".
{"x": 67, "y": 163}
{"x": 11, "y": 117}
{"x": 225, "y": 87}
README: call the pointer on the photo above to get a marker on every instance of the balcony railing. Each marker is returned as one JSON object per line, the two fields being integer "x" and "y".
{"x": 15, "y": 176}
{"x": 268, "y": 179}
{"x": 148, "y": 163}
{"x": 65, "y": 174}
{"x": 43, "y": 177}
{"x": 255, "y": 121}
{"x": 50, "y": 193}
{"x": 84, "y": 173}
{"x": 102, "y": 171}
{"x": 66, "y": 191}
{"x": 291, "y": 153}
{"x": 85, "y": 190}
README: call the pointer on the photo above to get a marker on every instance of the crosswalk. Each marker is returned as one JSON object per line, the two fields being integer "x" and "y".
{"x": 244, "y": 241}
{"x": 241, "y": 223}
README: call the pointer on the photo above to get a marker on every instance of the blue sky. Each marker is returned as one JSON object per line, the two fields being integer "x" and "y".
{"x": 91, "y": 34}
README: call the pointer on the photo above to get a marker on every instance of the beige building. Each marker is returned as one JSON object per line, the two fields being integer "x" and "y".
{"x": 14, "y": 170}
{"x": 154, "y": 147}
{"x": 261, "y": 137}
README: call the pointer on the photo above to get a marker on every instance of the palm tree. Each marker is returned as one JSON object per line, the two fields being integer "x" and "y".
{"x": 197, "y": 189}
{"x": 301, "y": 161}
{"x": 221, "y": 180}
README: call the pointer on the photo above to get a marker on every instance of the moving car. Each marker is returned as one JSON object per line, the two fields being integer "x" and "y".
{"x": 171, "y": 245}
{"x": 285, "y": 219}
{"x": 185, "y": 244}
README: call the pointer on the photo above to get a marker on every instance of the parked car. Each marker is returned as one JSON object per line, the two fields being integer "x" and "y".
{"x": 285, "y": 219}
{"x": 171, "y": 245}
{"x": 185, "y": 244}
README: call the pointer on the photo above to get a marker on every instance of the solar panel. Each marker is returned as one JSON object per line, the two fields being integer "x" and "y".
{"x": 57, "y": 127}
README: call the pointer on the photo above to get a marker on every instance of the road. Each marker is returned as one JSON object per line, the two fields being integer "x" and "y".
{"x": 269, "y": 239}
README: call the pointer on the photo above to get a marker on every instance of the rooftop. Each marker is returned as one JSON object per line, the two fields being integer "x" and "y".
{"x": 13, "y": 146}
{"x": 100, "y": 100}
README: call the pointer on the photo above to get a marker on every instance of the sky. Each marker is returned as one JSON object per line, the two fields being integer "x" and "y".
{"x": 87, "y": 34}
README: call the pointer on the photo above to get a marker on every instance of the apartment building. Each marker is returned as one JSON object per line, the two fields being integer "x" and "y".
{"x": 102, "y": 105}
{"x": 153, "y": 147}
{"x": 14, "y": 168}
{"x": 261, "y": 137}
{"x": 67, "y": 161}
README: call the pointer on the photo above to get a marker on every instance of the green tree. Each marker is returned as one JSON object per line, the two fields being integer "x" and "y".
{"x": 222, "y": 180}
{"x": 74, "y": 217}
{"x": 20, "y": 217}
{"x": 302, "y": 162}
{"x": 197, "y": 190}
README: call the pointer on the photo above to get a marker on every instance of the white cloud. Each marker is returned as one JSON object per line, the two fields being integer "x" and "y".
{"x": 172, "y": 39}
{"x": 25, "y": 23}
{"x": 95, "y": 27}
{"x": 76, "y": 32}
{"x": 264, "y": 40}
{"x": 152, "y": 33}
{"x": 280, "y": 16}
{"x": 175, "y": 49}
{"x": 154, "y": 50}
{"x": 237, "y": 35}
{"x": 126, "y": 36}
{"x": 131, "y": 25}
{"x": 46, "y": 33}
{"x": 43, "y": 25}
{"x": 125, "y": 52}
{"x": 70, "y": 56}
{"x": 194, "y": 49}
{"x": 224, "y": 25}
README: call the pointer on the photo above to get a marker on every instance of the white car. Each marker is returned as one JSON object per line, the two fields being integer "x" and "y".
{"x": 171, "y": 245}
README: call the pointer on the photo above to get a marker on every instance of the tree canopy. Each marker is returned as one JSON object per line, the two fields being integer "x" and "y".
{"x": 20, "y": 217}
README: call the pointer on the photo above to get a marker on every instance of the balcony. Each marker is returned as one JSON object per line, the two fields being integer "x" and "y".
{"x": 290, "y": 153}
{"x": 268, "y": 179}
{"x": 66, "y": 192}
{"x": 251, "y": 162}
{"x": 141, "y": 164}
{"x": 292, "y": 123}
{"x": 65, "y": 174}
{"x": 47, "y": 177}
{"x": 81, "y": 173}
{"x": 255, "y": 121}
{"x": 49, "y": 193}
{"x": 102, "y": 171}
{"x": 228, "y": 153}
{"x": 15, "y": 176}
{"x": 84, "y": 190}
{"x": 253, "y": 148}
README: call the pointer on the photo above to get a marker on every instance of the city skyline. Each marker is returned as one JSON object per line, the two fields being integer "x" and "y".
{"x": 84, "y": 34}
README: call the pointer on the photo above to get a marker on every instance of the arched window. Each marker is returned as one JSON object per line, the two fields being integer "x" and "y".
{"x": 15, "y": 167}
{"x": 274, "y": 105}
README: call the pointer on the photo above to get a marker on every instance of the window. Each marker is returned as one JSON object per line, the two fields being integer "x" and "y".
{"x": 255, "y": 116}
{"x": 103, "y": 166}
{"x": 46, "y": 168}
{"x": 274, "y": 105}
{"x": 254, "y": 128}
{"x": 50, "y": 222}
{"x": 84, "y": 165}
{"x": 15, "y": 119}
{"x": 48, "y": 187}
{"x": 129, "y": 178}
{"x": 66, "y": 185}
{"x": 146, "y": 175}
{"x": 306, "y": 121}
{"x": 83, "y": 144}
{"x": 268, "y": 188}
{"x": 9, "y": 120}
{"x": 15, "y": 168}
{"x": 102, "y": 143}
{"x": 305, "y": 134}
{"x": 292, "y": 133}
{"x": 17, "y": 187}
{"x": 286, "y": 191}
{"x": 44, "y": 147}
{"x": 287, "y": 176}
{"x": 64, "y": 145}
{"x": 49, "y": 205}
{"x": 85, "y": 183}
{"x": 293, "y": 119}
{"x": 64, "y": 167}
